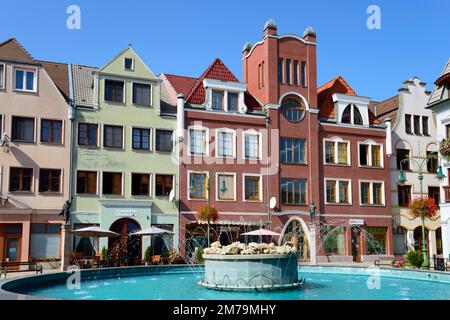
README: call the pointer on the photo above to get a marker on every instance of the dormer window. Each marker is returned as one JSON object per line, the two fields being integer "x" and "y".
{"x": 128, "y": 64}
{"x": 25, "y": 80}
{"x": 233, "y": 101}
{"x": 226, "y": 96}
{"x": 347, "y": 115}
{"x": 217, "y": 100}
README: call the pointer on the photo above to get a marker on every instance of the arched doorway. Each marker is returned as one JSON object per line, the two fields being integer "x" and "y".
{"x": 125, "y": 250}
{"x": 418, "y": 241}
{"x": 296, "y": 234}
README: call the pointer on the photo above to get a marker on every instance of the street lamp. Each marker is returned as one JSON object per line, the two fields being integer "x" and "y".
{"x": 402, "y": 179}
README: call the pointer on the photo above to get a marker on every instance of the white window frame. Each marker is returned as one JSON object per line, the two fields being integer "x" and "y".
{"x": 336, "y": 185}
{"x": 3, "y": 77}
{"x": 35, "y": 137}
{"x": 233, "y": 147}
{"x": 103, "y": 135}
{"x": 254, "y": 133}
{"x": 207, "y": 139}
{"x": 122, "y": 184}
{"x": 218, "y": 186}
{"x": 150, "y": 184}
{"x": 244, "y": 175}
{"x": 383, "y": 193}
{"x": 25, "y": 70}
{"x": 124, "y": 98}
{"x": 335, "y": 140}
{"x": 61, "y": 182}
{"x": 151, "y": 94}
{"x": 150, "y": 138}
{"x": 188, "y": 185}
{"x": 98, "y": 182}
{"x": 63, "y": 130}
{"x": 99, "y": 134}
{"x": 371, "y": 143}
{"x": 163, "y": 129}
{"x": 153, "y": 181}
{"x": 132, "y": 64}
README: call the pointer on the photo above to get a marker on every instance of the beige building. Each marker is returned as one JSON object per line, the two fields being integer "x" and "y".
{"x": 34, "y": 154}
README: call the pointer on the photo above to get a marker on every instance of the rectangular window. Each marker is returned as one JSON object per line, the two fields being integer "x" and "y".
{"x": 425, "y": 130}
{"x": 225, "y": 187}
{"x": 408, "y": 123}
{"x": 198, "y": 141}
{"x": 336, "y": 152}
{"x": 164, "y": 140}
{"x": 329, "y": 152}
{"x": 217, "y": 100}
{"x": 364, "y": 154}
{"x": 288, "y": 71}
{"x": 402, "y": 154}
{"x": 292, "y": 151}
{"x": 303, "y": 74}
{"x": 114, "y": 90}
{"x": 142, "y": 94}
{"x": 197, "y": 189}
{"x": 252, "y": 188}
{"x": 86, "y": 182}
{"x": 365, "y": 193}
{"x": 261, "y": 75}
{"x": 2, "y": 76}
{"x": 434, "y": 192}
{"x": 404, "y": 195}
{"x": 377, "y": 193}
{"x": 51, "y": 131}
{"x": 233, "y": 101}
{"x": 225, "y": 144}
{"x": 432, "y": 164}
{"x": 49, "y": 180}
{"x": 370, "y": 155}
{"x": 417, "y": 124}
{"x": 128, "y": 64}
{"x": 330, "y": 191}
{"x": 141, "y": 139}
{"x": 372, "y": 193}
{"x": 113, "y": 136}
{"x": 342, "y": 153}
{"x": 376, "y": 240}
{"x": 24, "y": 80}
{"x": 87, "y": 134}
{"x": 164, "y": 184}
{"x": 335, "y": 243}
{"x": 344, "y": 192}
{"x": 22, "y": 129}
{"x": 280, "y": 70}
{"x": 112, "y": 183}
{"x": 376, "y": 155}
{"x": 293, "y": 191}
{"x": 447, "y": 131}
{"x": 140, "y": 184}
{"x": 295, "y": 73}
{"x": 251, "y": 146}
{"x": 20, "y": 179}
{"x": 45, "y": 241}
{"x": 337, "y": 191}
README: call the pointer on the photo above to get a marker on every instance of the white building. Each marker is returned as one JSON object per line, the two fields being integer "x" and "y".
{"x": 439, "y": 102}
{"x": 413, "y": 134}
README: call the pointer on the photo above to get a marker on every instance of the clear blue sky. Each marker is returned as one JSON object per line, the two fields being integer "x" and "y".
{"x": 183, "y": 37}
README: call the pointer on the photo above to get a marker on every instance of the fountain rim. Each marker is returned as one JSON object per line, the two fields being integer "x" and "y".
{"x": 249, "y": 256}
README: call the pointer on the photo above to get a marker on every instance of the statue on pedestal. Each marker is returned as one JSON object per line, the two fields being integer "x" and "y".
{"x": 312, "y": 211}
{"x": 65, "y": 212}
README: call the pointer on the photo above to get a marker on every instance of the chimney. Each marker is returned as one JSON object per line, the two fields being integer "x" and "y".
{"x": 180, "y": 117}
{"x": 309, "y": 34}
{"x": 270, "y": 28}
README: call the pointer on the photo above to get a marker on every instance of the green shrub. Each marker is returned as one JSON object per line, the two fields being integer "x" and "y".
{"x": 105, "y": 254}
{"x": 148, "y": 254}
{"x": 199, "y": 255}
{"x": 415, "y": 258}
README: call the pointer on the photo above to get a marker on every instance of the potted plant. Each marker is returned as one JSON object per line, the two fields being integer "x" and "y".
{"x": 148, "y": 255}
{"x": 444, "y": 148}
{"x": 209, "y": 214}
{"x": 199, "y": 255}
{"x": 414, "y": 258}
{"x": 105, "y": 256}
{"x": 423, "y": 207}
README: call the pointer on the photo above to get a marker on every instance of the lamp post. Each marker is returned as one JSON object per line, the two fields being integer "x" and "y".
{"x": 402, "y": 179}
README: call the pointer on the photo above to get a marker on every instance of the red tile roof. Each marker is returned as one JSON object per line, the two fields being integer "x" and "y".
{"x": 12, "y": 50}
{"x": 325, "y": 99}
{"x": 194, "y": 92}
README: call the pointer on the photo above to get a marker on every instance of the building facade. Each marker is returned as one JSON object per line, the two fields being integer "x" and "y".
{"x": 439, "y": 102}
{"x": 34, "y": 155}
{"x": 124, "y": 177}
{"x": 413, "y": 135}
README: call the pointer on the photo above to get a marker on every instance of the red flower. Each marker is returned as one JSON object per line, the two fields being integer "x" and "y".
{"x": 423, "y": 207}
{"x": 208, "y": 213}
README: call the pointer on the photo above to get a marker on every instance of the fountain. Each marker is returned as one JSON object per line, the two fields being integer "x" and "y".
{"x": 252, "y": 267}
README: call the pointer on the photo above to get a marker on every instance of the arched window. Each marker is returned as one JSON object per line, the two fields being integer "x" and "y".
{"x": 292, "y": 110}
{"x": 357, "y": 118}
{"x": 346, "y": 115}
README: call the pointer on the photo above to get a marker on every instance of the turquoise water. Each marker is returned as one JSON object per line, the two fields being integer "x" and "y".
{"x": 183, "y": 286}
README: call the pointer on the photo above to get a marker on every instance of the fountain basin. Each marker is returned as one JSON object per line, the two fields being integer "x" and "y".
{"x": 260, "y": 272}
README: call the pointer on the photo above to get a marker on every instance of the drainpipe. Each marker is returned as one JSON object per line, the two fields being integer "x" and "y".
{"x": 180, "y": 117}
{"x": 71, "y": 116}
{"x": 180, "y": 138}
{"x": 388, "y": 123}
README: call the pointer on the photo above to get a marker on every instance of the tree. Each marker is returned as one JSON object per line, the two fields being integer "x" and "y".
{"x": 209, "y": 214}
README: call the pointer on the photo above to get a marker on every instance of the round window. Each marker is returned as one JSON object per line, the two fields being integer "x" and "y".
{"x": 292, "y": 110}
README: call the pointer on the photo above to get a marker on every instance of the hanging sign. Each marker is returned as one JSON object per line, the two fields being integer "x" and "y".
{"x": 356, "y": 222}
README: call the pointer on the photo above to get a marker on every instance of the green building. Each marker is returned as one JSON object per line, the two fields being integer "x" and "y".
{"x": 124, "y": 173}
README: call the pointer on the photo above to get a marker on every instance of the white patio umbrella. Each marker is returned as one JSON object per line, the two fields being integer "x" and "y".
{"x": 261, "y": 232}
{"x": 152, "y": 231}
{"x": 95, "y": 232}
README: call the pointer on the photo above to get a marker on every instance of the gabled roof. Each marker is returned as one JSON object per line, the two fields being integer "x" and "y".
{"x": 193, "y": 90}
{"x": 83, "y": 85}
{"x": 12, "y": 50}
{"x": 438, "y": 93}
{"x": 325, "y": 97}
{"x": 218, "y": 71}
{"x": 59, "y": 73}
{"x": 386, "y": 109}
